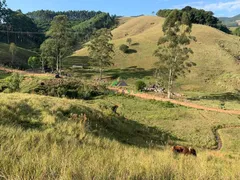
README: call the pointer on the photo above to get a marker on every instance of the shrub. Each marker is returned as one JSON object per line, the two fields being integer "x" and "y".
{"x": 123, "y": 48}
{"x": 140, "y": 85}
{"x": 13, "y": 82}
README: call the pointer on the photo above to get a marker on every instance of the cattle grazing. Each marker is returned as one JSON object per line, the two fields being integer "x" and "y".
{"x": 184, "y": 150}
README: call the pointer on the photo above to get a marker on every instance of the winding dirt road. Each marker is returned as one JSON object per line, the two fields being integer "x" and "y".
{"x": 186, "y": 104}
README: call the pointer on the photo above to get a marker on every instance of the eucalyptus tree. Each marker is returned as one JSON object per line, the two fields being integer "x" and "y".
{"x": 173, "y": 48}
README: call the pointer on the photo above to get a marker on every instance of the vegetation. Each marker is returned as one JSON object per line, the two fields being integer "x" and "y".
{"x": 13, "y": 51}
{"x": 124, "y": 48}
{"x": 59, "y": 44}
{"x": 21, "y": 56}
{"x": 198, "y": 17}
{"x": 129, "y": 41}
{"x": 140, "y": 85}
{"x": 237, "y": 31}
{"x": 101, "y": 50}
{"x": 67, "y": 127}
{"x": 43, "y": 18}
{"x": 86, "y": 29}
{"x": 173, "y": 51}
{"x": 230, "y": 22}
{"x": 34, "y": 62}
{"x": 16, "y": 26}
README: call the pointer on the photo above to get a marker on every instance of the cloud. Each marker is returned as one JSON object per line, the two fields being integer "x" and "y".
{"x": 230, "y": 5}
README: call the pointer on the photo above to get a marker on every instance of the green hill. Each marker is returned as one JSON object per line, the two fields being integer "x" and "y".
{"x": 215, "y": 53}
{"x": 232, "y": 21}
{"x": 20, "y": 58}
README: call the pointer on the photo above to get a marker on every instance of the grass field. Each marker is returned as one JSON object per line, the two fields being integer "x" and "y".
{"x": 231, "y": 139}
{"x": 51, "y": 138}
{"x": 214, "y": 54}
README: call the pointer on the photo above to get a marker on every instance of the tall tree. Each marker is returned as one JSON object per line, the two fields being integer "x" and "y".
{"x": 60, "y": 42}
{"x": 13, "y": 51}
{"x": 101, "y": 50}
{"x": 173, "y": 51}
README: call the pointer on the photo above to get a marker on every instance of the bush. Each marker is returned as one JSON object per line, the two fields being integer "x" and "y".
{"x": 123, "y": 48}
{"x": 13, "y": 82}
{"x": 140, "y": 85}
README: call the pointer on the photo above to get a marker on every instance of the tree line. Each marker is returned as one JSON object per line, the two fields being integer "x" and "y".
{"x": 28, "y": 30}
{"x": 198, "y": 16}
{"x": 43, "y": 18}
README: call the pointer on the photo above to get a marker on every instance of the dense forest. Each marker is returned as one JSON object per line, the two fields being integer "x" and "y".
{"x": 29, "y": 30}
{"x": 199, "y": 16}
{"x": 43, "y": 18}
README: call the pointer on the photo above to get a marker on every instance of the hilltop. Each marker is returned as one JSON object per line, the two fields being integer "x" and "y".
{"x": 215, "y": 53}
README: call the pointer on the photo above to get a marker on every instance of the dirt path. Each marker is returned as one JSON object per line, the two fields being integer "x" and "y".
{"x": 186, "y": 104}
{"x": 218, "y": 137}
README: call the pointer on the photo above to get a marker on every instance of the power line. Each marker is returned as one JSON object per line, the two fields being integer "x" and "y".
{"x": 21, "y": 32}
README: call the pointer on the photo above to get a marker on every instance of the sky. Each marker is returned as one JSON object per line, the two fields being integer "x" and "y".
{"x": 226, "y": 8}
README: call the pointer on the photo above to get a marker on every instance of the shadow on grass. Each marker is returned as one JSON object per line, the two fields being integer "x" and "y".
{"x": 229, "y": 96}
{"x": 131, "y": 72}
{"x": 76, "y": 60}
{"x": 131, "y": 51}
{"x": 124, "y": 130}
{"x": 21, "y": 115}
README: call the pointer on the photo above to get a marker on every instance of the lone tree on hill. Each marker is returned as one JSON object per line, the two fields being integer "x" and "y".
{"x": 13, "y": 51}
{"x": 173, "y": 51}
{"x": 101, "y": 50}
{"x": 129, "y": 41}
{"x": 59, "y": 44}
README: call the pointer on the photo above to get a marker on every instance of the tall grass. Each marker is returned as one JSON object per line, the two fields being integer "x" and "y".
{"x": 50, "y": 138}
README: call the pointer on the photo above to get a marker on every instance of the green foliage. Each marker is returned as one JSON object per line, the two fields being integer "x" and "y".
{"x": 13, "y": 51}
{"x": 129, "y": 41}
{"x": 101, "y": 50}
{"x": 172, "y": 47}
{"x": 124, "y": 48}
{"x": 59, "y": 44}
{"x": 237, "y": 31}
{"x": 197, "y": 16}
{"x": 17, "y": 21}
{"x": 43, "y": 18}
{"x": 13, "y": 82}
{"x": 69, "y": 88}
{"x": 85, "y": 29}
{"x": 34, "y": 62}
{"x": 140, "y": 85}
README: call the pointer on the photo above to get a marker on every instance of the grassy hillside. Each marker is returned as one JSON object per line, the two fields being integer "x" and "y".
{"x": 214, "y": 53}
{"x": 20, "y": 58}
{"x": 51, "y": 138}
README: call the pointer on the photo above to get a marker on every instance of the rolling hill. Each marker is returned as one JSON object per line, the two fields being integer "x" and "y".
{"x": 20, "y": 58}
{"x": 232, "y": 21}
{"x": 215, "y": 53}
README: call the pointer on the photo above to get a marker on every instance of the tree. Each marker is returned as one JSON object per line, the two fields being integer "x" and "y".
{"x": 124, "y": 48}
{"x": 173, "y": 51}
{"x": 60, "y": 42}
{"x": 129, "y": 41}
{"x": 237, "y": 31}
{"x": 13, "y": 51}
{"x": 2, "y": 9}
{"x": 34, "y": 62}
{"x": 101, "y": 50}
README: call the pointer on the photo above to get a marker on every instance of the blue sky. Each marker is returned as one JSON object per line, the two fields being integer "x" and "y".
{"x": 127, "y": 7}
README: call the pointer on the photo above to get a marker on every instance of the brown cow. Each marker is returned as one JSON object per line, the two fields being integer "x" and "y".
{"x": 184, "y": 150}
